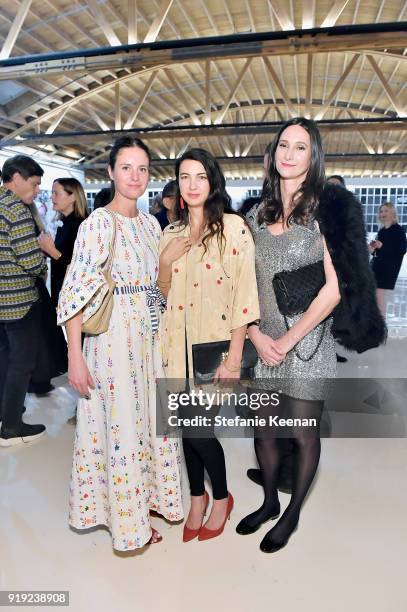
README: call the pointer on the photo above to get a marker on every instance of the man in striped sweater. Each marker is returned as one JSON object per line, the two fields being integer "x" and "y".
{"x": 21, "y": 263}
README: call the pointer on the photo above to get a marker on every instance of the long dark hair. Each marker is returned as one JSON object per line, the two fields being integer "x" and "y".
{"x": 307, "y": 197}
{"x": 218, "y": 203}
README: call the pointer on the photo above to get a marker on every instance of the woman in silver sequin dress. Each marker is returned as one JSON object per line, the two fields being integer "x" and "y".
{"x": 298, "y": 361}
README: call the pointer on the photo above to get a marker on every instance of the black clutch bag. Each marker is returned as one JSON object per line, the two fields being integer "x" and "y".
{"x": 207, "y": 356}
{"x": 296, "y": 289}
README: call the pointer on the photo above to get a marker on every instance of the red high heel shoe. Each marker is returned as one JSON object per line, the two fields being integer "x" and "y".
{"x": 207, "y": 534}
{"x": 190, "y": 534}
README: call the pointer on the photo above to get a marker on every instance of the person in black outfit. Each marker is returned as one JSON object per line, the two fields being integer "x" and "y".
{"x": 248, "y": 204}
{"x": 68, "y": 198}
{"x": 69, "y": 201}
{"x": 167, "y": 213}
{"x": 388, "y": 251}
{"x": 103, "y": 197}
{"x": 337, "y": 179}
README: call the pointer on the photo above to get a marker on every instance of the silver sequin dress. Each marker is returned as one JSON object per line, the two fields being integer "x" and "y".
{"x": 297, "y": 247}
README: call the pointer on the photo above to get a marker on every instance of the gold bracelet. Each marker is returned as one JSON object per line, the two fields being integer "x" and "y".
{"x": 164, "y": 283}
{"x": 224, "y": 357}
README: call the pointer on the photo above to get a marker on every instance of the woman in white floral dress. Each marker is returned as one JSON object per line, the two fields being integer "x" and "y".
{"x": 121, "y": 469}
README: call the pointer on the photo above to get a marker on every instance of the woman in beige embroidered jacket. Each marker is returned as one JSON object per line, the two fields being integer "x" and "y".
{"x": 207, "y": 273}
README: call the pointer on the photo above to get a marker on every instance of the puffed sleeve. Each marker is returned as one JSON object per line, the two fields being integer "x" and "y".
{"x": 245, "y": 307}
{"x": 84, "y": 285}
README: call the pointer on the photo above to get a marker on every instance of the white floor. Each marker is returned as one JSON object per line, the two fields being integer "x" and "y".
{"x": 349, "y": 552}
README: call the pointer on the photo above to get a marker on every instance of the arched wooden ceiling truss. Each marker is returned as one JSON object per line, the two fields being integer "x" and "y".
{"x": 226, "y": 94}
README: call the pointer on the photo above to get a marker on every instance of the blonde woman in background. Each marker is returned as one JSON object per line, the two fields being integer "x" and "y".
{"x": 388, "y": 250}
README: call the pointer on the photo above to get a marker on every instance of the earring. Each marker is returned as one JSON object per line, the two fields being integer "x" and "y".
{"x": 181, "y": 202}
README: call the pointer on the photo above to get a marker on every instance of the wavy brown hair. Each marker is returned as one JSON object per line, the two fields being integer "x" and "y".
{"x": 218, "y": 203}
{"x": 307, "y": 196}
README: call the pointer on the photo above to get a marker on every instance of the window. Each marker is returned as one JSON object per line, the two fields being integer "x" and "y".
{"x": 371, "y": 198}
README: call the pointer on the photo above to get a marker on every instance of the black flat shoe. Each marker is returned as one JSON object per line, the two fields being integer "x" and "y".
{"x": 268, "y": 545}
{"x": 243, "y": 528}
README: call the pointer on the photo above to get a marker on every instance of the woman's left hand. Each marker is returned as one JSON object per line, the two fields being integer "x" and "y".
{"x": 46, "y": 244}
{"x": 284, "y": 344}
{"x": 222, "y": 373}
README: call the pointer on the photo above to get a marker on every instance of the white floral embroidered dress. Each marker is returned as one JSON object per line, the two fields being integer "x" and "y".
{"x": 121, "y": 469}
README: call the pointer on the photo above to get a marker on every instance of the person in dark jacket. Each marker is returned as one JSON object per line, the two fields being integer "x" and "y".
{"x": 167, "y": 213}
{"x": 337, "y": 179}
{"x": 388, "y": 251}
{"x": 68, "y": 199}
{"x": 103, "y": 197}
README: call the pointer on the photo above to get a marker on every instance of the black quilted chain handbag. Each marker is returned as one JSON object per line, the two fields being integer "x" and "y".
{"x": 295, "y": 290}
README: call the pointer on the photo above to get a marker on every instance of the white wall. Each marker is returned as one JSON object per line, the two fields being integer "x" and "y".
{"x": 54, "y": 167}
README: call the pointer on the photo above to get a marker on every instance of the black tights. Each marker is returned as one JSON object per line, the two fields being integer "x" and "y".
{"x": 201, "y": 454}
{"x": 307, "y": 449}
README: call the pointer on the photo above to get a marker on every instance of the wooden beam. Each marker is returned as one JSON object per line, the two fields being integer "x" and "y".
{"x": 143, "y": 96}
{"x": 139, "y": 60}
{"x": 15, "y": 29}
{"x": 181, "y": 95}
{"x": 90, "y": 110}
{"x": 237, "y": 141}
{"x": 117, "y": 108}
{"x": 280, "y": 86}
{"x": 368, "y": 146}
{"x": 395, "y": 147}
{"x": 337, "y": 87}
{"x": 94, "y": 137}
{"x": 252, "y": 140}
{"x": 208, "y": 116}
{"x": 308, "y": 14}
{"x": 334, "y": 14}
{"x": 281, "y": 14}
{"x": 97, "y": 12}
{"x": 156, "y": 26}
{"x": 172, "y": 148}
{"x": 308, "y": 95}
{"x": 184, "y": 147}
{"x": 226, "y": 149}
{"x": 132, "y": 17}
{"x": 232, "y": 92}
{"x": 386, "y": 86}
{"x": 56, "y": 122}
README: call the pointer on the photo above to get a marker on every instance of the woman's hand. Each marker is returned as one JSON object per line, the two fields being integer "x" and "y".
{"x": 271, "y": 352}
{"x": 284, "y": 344}
{"x": 222, "y": 373}
{"x": 47, "y": 244}
{"x": 176, "y": 248}
{"x": 79, "y": 376}
{"x": 374, "y": 244}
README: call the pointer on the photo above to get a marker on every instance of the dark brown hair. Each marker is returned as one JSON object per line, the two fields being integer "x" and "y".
{"x": 218, "y": 203}
{"x": 307, "y": 197}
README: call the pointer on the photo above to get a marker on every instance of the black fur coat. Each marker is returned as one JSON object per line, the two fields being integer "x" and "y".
{"x": 358, "y": 324}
